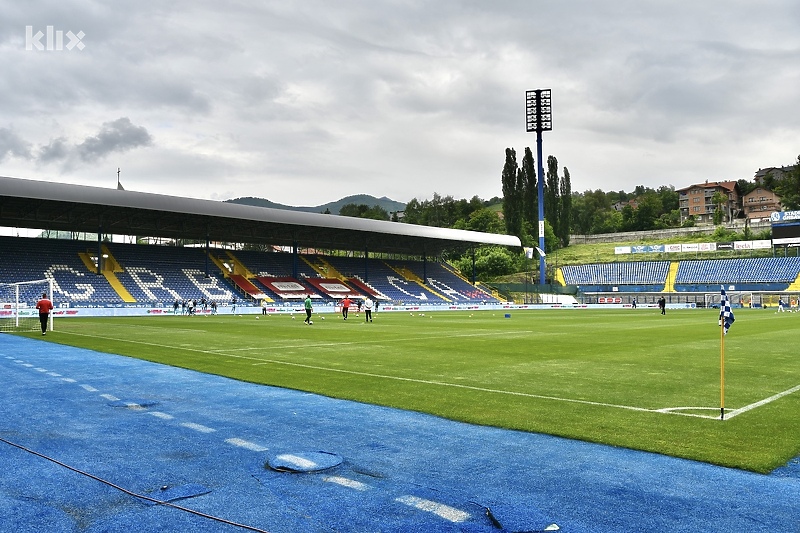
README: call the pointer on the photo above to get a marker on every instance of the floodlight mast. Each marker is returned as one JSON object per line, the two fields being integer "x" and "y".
{"x": 539, "y": 118}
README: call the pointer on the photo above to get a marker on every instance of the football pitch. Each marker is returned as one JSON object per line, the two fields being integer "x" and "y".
{"x": 629, "y": 378}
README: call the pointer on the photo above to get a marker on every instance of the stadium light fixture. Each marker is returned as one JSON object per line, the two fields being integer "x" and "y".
{"x": 539, "y": 118}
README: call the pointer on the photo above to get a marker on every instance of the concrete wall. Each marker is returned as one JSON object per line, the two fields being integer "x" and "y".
{"x": 662, "y": 234}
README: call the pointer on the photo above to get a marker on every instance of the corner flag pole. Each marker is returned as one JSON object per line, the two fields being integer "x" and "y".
{"x": 722, "y": 370}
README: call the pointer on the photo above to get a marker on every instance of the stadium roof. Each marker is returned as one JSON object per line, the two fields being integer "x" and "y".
{"x": 78, "y": 208}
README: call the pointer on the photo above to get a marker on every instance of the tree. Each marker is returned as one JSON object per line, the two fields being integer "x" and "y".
{"x": 787, "y": 188}
{"x": 490, "y": 262}
{"x": 647, "y": 212}
{"x": 552, "y": 205}
{"x": 530, "y": 195}
{"x": 608, "y": 221}
{"x": 719, "y": 199}
{"x": 512, "y": 197}
{"x": 485, "y": 220}
{"x": 375, "y": 212}
{"x": 565, "y": 213}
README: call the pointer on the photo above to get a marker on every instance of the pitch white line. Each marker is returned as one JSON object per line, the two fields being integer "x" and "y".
{"x": 110, "y": 397}
{"x": 198, "y": 427}
{"x": 349, "y": 483}
{"x": 450, "y": 514}
{"x": 88, "y": 388}
{"x": 241, "y": 443}
{"x": 735, "y": 412}
{"x": 383, "y": 376}
{"x": 159, "y": 414}
{"x": 261, "y": 361}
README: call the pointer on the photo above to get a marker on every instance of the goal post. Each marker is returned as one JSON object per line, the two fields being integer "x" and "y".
{"x": 18, "y": 305}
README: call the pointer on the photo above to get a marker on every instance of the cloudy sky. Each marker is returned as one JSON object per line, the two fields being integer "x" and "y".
{"x": 309, "y": 101}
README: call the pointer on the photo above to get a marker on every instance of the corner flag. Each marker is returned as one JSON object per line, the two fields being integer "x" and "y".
{"x": 725, "y": 313}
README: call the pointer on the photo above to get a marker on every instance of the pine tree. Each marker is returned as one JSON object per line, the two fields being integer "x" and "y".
{"x": 512, "y": 199}
{"x": 551, "y": 195}
{"x": 530, "y": 195}
{"x": 565, "y": 224}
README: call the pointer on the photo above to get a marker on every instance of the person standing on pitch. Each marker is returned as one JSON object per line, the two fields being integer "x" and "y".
{"x": 662, "y": 304}
{"x": 345, "y": 307}
{"x": 309, "y": 308}
{"x": 44, "y": 306}
{"x": 368, "y": 309}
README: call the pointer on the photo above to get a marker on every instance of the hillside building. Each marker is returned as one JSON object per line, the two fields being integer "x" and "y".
{"x": 697, "y": 201}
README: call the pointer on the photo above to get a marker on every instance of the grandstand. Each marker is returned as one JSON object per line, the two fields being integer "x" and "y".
{"x": 752, "y": 274}
{"x": 684, "y": 281}
{"x": 139, "y": 275}
{"x": 643, "y": 276}
{"x": 143, "y": 275}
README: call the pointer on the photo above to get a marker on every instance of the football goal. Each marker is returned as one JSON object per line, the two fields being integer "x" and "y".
{"x": 18, "y": 305}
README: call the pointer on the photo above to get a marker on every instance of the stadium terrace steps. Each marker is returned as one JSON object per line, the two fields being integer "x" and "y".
{"x": 669, "y": 285}
{"x": 795, "y": 285}
{"x": 239, "y": 267}
{"x": 86, "y": 257}
{"x": 367, "y": 289}
{"x": 559, "y": 277}
{"x": 123, "y": 293}
{"x": 450, "y": 269}
{"x": 220, "y": 264}
{"x": 110, "y": 262}
{"x": 411, "y": 276}
{"x": 328, "y": 269}
{"x": 248, "y": 287}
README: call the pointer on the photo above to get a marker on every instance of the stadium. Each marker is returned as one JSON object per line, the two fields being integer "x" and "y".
{"x": 460, "y": 408}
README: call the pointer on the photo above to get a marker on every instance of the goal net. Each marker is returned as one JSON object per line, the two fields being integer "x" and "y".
{"x": 18, "y": 305}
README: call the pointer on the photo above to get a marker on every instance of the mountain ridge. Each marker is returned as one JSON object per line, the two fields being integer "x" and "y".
{"x": 334, "y": 207}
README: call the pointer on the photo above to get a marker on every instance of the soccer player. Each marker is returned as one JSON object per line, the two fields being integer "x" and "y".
{"x": 368, "y": 309}
{"x": 44, "y": 305}
{"x": 307, "y": 305}
{"x": 345, "y": 307}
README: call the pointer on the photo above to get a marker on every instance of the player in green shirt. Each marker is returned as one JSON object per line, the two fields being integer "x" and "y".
{"x": 307, "y": 305}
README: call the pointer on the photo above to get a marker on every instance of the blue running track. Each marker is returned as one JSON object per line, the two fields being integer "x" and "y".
{"x": 101, "y": 443}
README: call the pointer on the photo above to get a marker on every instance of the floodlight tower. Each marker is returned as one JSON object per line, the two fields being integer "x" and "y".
{"x": 539, "y": 118}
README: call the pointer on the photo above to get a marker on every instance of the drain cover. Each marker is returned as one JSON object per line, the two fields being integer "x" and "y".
{"x": 304, "y": 461}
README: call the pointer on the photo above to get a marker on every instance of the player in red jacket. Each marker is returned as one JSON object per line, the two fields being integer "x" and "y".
{"x": 44, "y": 306}
{"x": 345, "y": 307}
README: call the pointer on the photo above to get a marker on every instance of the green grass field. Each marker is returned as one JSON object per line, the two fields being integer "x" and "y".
{"x": 625, "y": 378}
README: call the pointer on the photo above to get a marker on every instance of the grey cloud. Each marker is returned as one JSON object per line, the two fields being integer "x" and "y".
{"x": 117, "y": 136}
{"x": 12, "y": 144}
{"x": 57, "y": 150}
